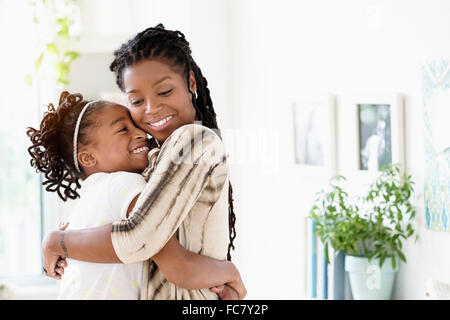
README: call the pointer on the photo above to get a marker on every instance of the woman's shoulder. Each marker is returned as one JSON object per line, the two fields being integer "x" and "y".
{"x": 196, "y": 131}
{"x": 194, "y": 142}
{"x": 193, "y": 135}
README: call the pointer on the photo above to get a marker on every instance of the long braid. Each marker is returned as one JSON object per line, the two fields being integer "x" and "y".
{"x": 157, "y": 42}
{"x": 231, "y": 221}
{"x": 204, "y": 103}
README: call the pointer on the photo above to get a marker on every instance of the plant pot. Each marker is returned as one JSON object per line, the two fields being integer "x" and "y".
{"x": 367, "y": 280}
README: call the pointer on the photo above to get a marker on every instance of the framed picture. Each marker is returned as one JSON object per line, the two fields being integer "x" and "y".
{"x": 315, "y": 135}
{"x": 378, "y": 136}
{"x": 436, "y": 102}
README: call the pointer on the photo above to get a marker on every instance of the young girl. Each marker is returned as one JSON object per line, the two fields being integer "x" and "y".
{"x": 187, "y": 192}
{"x": 98, "y": 143}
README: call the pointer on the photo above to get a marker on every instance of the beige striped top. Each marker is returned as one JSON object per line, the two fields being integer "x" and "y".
{"x": 186, "y": 190}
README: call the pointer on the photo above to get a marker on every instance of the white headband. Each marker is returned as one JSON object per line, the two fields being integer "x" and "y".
{"x": 75, "y": 135}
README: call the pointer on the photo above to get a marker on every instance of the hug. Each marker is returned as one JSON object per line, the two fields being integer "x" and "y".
{"x": 145, "y": 224}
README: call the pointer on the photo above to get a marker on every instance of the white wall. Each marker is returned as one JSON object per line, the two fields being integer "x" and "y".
{"x": 285, "y": 50}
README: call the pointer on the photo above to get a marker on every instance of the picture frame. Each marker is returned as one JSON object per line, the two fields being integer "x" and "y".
{"x": 375, "y": 131}
{"x": 315, "y": 135}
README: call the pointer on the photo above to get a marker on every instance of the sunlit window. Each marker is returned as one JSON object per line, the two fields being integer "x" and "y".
{"x": 21, "y": 215}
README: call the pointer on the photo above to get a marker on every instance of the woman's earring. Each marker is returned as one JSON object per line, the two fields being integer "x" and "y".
{"x": 195, "y": 95}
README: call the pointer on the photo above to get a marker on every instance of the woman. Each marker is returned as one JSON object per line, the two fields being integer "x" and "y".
{"x": 187, "y": 193}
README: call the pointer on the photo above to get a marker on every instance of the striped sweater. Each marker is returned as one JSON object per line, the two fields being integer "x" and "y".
{"x": 186, "y": 193}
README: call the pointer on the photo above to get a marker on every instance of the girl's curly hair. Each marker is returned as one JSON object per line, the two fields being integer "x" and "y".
{"x": 52, "y": 145}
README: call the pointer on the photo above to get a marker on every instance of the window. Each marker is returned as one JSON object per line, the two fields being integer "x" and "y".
{"x": 21, "y": 216}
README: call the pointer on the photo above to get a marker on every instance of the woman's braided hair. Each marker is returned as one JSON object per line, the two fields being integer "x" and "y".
{"x": 172, "y": 46}
{"x": 52, "y": 145}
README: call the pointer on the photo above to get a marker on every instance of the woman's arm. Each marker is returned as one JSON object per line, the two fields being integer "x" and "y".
{"x": 194, "y": 271}
{"x": 190, "y": 160}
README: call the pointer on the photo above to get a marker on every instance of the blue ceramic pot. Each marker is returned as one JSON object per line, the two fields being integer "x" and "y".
{"x": 367, "y": 280}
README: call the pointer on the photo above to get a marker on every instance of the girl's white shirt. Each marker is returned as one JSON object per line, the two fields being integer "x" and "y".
{"x": 104, "y": 198}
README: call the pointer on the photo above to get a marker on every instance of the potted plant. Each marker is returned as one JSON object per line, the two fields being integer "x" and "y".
{"x": 369, "y": 229}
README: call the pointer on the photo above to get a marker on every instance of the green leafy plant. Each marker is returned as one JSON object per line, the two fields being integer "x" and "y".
{"x": 56, "y": 19}
{"x": 372, "y": 226}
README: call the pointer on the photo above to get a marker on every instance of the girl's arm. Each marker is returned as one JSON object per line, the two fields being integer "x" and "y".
{"x": 193, "y": 271}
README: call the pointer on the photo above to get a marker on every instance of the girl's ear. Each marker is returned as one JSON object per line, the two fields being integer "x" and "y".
{"x": 86, "y": 159}
{"x": 192, "y": 82}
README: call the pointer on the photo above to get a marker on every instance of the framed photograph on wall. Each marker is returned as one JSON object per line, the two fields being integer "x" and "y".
{"x": 315, "y": 135}
{"x": 379, "y": 132}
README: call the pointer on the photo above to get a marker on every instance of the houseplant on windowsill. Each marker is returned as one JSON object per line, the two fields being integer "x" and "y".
{"x": 369, "y": 229}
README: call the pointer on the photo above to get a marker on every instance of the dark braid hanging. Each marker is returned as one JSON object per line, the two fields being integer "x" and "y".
{"x": 157, "y": 42}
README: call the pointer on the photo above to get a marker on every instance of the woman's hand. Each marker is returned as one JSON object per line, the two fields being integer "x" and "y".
{"x": 51, "y": 256}
{"x": 54, "y": 263}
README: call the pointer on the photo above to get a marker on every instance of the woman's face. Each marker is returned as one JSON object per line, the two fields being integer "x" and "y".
{"x": 117, "y": 144}
{"x": 158, "y": 98}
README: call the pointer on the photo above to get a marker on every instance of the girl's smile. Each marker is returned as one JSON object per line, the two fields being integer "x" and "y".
{"x": 116, "y": 143}
{"x": 140, "y": 150}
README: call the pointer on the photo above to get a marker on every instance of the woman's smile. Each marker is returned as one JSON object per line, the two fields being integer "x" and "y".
{"x": 159, "y": 99}
{"x": 160, "y": 123}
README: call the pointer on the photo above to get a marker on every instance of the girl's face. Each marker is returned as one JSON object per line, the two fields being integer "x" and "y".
{"x": 158, "y": 98}
{"x": 117, "y": 144}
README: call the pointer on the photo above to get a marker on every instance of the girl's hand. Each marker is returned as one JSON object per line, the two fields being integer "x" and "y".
{"x": 225, "y": 292}
{"x": 238, "y": 287}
